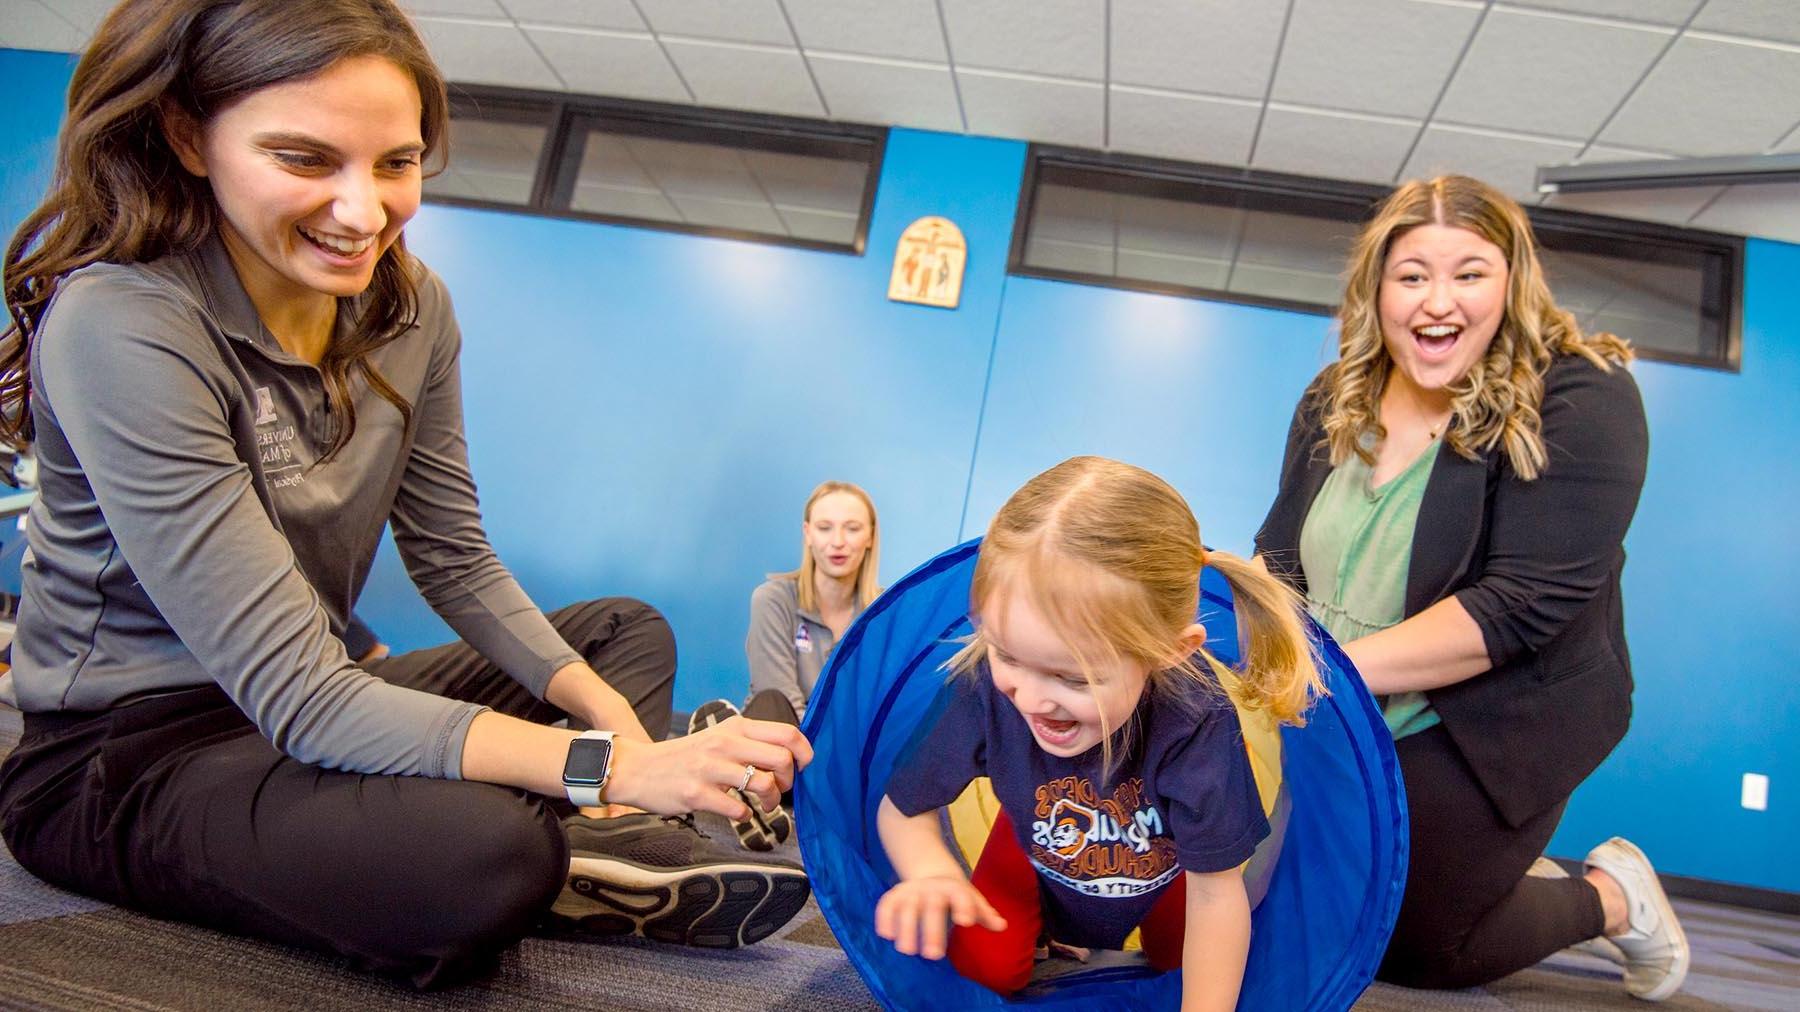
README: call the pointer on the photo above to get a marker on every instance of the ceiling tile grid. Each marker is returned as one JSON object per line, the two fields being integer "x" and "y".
{"x": 906, "y": 29}
{"x": 610, "y": 63}
{"x": 1188, "y": 127}
{"x": 1219, "y": 47}
{"x": 27, "y": 24}
{"x": 1766, "y": 209}
{"x": 1358, "y": 147}
{"x": 868, "y": 90}
{"x": 456, "y": 8}
{"x": 1709, "y": 96}
{"x": 1778, "y": 20}
{"x": 1382, "y": 56}
{"x": 486, "y": 52}
{"x": 1508, "y": 86}
{"x": 1657, "y": 12}
{"x": 727, "y": 20}
{"x": 1059, "y": 38}
{"x": 1507, "y": 161}
{"x": 1042, "y": 108}
{"x": 619, "y": 15}
{"x": 765, "y": 78}
{"x": 1548, "y": 74}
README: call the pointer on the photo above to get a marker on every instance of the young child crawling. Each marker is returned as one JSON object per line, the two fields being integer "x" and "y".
{"x": 1087, "y": 697}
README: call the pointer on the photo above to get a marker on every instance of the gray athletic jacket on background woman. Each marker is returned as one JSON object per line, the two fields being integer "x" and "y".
{"x": 193, "y": 536}
{"x": 787, "y": 647}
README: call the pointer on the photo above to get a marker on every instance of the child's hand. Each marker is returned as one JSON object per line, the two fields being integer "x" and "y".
{"x": 912, "y": 915}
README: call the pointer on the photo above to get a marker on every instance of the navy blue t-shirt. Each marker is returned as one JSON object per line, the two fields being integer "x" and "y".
{"x": 1182, "y": 797}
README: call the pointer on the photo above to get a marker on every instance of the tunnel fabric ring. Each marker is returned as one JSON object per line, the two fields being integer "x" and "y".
{"x": 750, "y": 770}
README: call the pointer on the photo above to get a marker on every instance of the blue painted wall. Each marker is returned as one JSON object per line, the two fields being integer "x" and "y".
{"x": 647, "y": 412}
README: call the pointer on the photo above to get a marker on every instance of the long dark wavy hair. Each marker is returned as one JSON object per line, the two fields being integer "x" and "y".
{"x": 119, "y": 195}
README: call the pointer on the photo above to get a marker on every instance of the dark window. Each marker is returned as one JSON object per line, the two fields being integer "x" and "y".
{"x": 710, "y": 172}
{"x": 1266, "y": 239}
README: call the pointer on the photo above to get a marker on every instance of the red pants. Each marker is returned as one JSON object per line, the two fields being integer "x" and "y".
{"x": 1003, "y": 960}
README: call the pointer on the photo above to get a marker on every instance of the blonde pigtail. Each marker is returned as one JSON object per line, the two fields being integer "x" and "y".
{"x": 1280, "y": 672}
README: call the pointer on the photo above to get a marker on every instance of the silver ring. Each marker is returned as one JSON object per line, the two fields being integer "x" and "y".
{"x": 750, "y": 770}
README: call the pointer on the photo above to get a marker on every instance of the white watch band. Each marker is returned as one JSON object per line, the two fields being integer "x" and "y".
{"x": 590, "y": 796}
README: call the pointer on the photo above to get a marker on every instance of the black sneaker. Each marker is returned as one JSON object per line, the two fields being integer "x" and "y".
{"x": 660, "y": 877}
{"x": 763, "y": 830}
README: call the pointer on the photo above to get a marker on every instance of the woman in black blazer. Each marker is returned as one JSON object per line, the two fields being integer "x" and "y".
{"x": 1453, "y": 499}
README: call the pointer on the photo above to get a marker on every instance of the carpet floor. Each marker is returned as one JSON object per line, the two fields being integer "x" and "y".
{"x": 59, "y": 951}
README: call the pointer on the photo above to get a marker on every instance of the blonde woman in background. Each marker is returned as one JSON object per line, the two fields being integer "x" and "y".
{"x": 797, "y": 618}
{"x": 1453, "y": 502}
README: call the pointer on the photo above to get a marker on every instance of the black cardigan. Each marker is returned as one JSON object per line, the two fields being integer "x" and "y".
{"x": 1535, "y": 563}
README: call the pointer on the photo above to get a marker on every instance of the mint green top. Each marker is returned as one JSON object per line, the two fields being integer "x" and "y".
{"x": 1355, "y": 549}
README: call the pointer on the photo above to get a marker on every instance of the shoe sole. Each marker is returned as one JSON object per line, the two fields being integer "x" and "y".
{"x": 703, "y": 718}
{"x": 1664, "y": 909}
{"x": 718, "y": 906}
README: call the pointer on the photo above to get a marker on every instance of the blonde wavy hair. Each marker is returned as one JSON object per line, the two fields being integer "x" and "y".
{"x": 1496, "y": 403}
{"x": 867, "y": 575}
{"x": 1111, "y": 556}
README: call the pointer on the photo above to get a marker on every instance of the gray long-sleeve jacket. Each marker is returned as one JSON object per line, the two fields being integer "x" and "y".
{"x": 185, "y": 534}
{"x": 786, "y": 647}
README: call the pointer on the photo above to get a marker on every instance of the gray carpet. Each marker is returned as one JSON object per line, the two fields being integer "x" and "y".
{"x": 63, "y": 952}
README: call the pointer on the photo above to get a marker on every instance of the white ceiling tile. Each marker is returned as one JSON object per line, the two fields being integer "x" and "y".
{"x": 1327, "y": 144}
{"x": 473, "y": 53}
{"x": 1182, "y": 126}
{"x": 1771, "y": 210}
{"x": 455, "y": 8}
{"x": 736, "y": 20}
{"x": 616, "y": 14}
{"x": 1381, "y": 56}
{"x": 1508, "y": 163}
{"x": 908, "y": 29}
{"x": 1061, "y": 38}
{"x": 1712, "y": 98}
{"x": 888, "y": 92}
{"x": 604, "y": 63}
{"x": 85, "y": 15}
{"x": 1672, "y": 206}
{"x": 745, "y": 77}
{"x": 1790, "y": 143}
{"x": 1776, "y": 20}
{"x": 1222, "y": 47}
{"x": 1658, "y": 12}
{"x": 27, "y": 24}
{"x": 1032, "y": 108}
{"x": 1548, "y": 75}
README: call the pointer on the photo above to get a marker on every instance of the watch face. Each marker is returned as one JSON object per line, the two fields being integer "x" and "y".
{"x": 587, "y": 762}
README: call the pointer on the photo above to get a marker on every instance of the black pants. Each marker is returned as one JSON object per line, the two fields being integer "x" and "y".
{"x": 771, "y": 704}
{"x": 178, "y": 807}
{"x": 1470, "y": 914}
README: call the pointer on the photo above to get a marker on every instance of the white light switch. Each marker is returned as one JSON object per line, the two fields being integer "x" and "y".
{"x": 1756, "y": 792}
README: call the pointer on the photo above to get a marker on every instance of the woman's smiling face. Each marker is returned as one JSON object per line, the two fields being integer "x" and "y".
{"x": 1443, "y": 297}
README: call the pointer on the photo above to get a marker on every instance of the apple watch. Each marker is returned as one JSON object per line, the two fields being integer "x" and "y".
{"x": 588, "y": 768}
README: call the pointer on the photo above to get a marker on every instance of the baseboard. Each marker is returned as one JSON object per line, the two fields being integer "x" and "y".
{"x": 1730, "y": 894}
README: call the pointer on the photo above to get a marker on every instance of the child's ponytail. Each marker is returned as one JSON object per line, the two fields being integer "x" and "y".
{"x": 1279, "y": 673}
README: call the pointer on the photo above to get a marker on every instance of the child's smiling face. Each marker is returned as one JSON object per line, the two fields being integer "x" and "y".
{"x": 1068, "y": 712}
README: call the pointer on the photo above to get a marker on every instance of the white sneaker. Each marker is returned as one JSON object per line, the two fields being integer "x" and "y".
{"x": 1656, "y": 949}
{"x": 1601, "y": 947}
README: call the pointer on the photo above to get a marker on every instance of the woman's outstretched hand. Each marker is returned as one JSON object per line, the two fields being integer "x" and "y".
{"x": 698, "y": 772}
